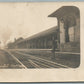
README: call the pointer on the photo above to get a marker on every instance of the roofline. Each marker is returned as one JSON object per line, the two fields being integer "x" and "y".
{"x": 36, "y": 34}
{"x": 55, "y": 14}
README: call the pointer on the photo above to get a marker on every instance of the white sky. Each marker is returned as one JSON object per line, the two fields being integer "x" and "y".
{"x": 25, "y": 19}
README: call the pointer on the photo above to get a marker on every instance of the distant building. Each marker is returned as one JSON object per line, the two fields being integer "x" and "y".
{"x": 69, "y": 27}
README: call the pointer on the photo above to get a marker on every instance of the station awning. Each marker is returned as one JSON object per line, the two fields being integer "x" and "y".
{"x": 65, "y": 10}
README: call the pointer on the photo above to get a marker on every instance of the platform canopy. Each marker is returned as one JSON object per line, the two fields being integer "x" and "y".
{"x": 67, "y": 14}
{"x": 65, "y": 10}
{"x": 42, "y": 34}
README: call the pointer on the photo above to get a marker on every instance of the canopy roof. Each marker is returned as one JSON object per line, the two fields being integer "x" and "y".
{"x": 65, "y": 10}
{"x": 42, "y": 34}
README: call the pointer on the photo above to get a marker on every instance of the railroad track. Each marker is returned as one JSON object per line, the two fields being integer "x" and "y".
{"x": 36, "y": 62}
{"x": 47, "y": 62}
{"x": 23, "y": 66}
{"x": 26, "y": 64}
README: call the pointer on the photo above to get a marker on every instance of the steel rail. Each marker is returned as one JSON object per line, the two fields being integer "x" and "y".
{"x": 16, "y": 59}
{"x": 34, "y": 64}
{"x": 37, "y": 58}
{"x": 44, "y": 65}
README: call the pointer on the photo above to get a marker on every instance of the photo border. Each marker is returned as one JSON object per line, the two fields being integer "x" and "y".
{"x": 77, "y": 82}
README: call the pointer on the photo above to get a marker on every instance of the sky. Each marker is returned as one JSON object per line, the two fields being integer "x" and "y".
{"x": 25, "y": 19}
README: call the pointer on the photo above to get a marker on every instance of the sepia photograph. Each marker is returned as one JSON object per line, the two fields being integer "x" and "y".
{"x": 34, "y": 36}
{"x": 41, "y": 42}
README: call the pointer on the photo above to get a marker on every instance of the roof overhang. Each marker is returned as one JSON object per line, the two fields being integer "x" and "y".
{"x": 65, "y": 10}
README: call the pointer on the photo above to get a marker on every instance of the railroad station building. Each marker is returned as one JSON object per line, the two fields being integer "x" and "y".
{"x": 67, "y": 32}
{"x": 69, "y": 28}
{"x": 42, "y": 40}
